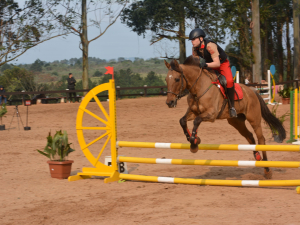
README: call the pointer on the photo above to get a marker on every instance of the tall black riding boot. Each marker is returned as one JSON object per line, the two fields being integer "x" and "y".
{"x": 232, "y": 110}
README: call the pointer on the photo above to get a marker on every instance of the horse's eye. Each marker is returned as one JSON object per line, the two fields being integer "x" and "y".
{"x": 177, "y": 79}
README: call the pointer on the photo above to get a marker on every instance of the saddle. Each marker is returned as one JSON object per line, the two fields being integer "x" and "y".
{"x": 222, "y": 86}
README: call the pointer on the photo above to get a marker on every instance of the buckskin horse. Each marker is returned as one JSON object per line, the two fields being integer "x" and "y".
{"x": 207, "y": 103}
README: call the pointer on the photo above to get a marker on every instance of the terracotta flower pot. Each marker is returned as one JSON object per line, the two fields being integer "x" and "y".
{"x": 60, "y": 170}
{"x": 285, "y": 101}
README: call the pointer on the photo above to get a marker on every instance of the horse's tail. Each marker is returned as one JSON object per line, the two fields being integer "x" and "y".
{"x": 270, "y": 119}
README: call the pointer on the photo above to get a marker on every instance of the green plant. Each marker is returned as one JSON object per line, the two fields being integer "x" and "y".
{"x": 280, "y": 118}
{"x": 3, "y": 111}
{"x": 57, "y": 148}
{"x": 285, "y": 93}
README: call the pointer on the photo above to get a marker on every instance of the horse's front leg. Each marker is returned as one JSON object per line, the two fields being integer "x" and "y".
{"x": 183, "y": 122}
{"x": 195, "y": 140}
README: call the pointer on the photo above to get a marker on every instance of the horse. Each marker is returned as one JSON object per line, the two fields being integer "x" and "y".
{"x": 206, "y": 103}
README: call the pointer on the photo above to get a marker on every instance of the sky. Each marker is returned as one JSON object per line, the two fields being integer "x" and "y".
{"x": 118, "y": 41}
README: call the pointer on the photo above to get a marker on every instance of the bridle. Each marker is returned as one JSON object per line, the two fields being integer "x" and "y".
{"x": 182, "y": 92}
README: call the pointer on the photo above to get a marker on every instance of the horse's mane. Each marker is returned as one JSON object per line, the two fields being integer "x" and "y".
{"x": 190, "y": 61}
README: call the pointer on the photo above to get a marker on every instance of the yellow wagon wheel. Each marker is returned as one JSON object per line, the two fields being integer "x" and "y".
{"x": 109, "y": 126}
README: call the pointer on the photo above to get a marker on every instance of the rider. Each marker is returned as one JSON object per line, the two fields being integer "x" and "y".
{"x": 214, "y": 57}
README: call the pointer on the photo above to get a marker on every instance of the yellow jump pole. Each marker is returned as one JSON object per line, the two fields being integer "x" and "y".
{"x": 253, "y": 183}
{"x": 296, "y": 114}
{"x": 225, "y": 147}
{"x": 208, "y": 162}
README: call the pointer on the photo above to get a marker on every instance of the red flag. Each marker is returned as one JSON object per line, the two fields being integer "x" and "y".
{"x": 110, "y": 70}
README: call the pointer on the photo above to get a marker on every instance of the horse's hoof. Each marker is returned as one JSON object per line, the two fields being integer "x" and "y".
{"x": 194, "y": 148}
{"x": 268, "y": 175}
{"x": 198, "y": 141}
{"x": 257, "y": 156}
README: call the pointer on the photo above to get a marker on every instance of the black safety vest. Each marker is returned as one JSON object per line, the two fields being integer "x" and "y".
{"x": 207, "y": 55}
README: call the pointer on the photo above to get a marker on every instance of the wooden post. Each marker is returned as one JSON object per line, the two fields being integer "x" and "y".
{"x": 118, "y": 93}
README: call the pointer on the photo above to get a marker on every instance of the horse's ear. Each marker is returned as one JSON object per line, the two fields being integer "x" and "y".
{"x": 176, "y": 64}
{"x": 167, "y": 64}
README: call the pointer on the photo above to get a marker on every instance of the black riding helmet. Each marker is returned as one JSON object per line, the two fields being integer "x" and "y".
{"x": 196, "y": 33}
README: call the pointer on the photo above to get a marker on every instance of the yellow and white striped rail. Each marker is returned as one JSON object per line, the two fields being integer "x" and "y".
{"x": 226, "y": 147}
{"x": 260, "y": 183}
{"x": 208, "y": 162}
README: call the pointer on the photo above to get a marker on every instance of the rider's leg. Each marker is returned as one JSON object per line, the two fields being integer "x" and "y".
{"x": 226, "y": 71}
{"x": 230, "y": 94}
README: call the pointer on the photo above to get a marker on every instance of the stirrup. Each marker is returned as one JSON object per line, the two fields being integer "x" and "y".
{"x": 232, "y": 112}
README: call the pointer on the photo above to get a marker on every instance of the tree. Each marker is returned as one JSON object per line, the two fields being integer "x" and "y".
{"x": 19, "y": 79}
{"x": 296, "y": 14}
{"x": 97, "y": 73}
{"x": 79, "y": 25}
{"x": 22, "y": 28}
{"x": 37, "y": 66}
{"x": 237, "y": 20}
{"x": 168, "y": 19}
{"x": 256, "y": 41}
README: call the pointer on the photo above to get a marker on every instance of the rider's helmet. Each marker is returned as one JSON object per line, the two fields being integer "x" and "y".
{"x": 196, "y": 33}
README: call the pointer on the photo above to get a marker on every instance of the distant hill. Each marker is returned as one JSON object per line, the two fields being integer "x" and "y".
{"x": 53, "y": 71}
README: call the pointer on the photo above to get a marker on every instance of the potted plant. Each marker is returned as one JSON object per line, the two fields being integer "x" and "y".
{"x": 3, "y": 111}
{"x": 281, "y": 119}
{"x": 57, "y": 150}
{"x": 285, "y": 94}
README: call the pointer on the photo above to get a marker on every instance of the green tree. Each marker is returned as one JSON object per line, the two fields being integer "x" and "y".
{"x": 79, "y": 26}
{"x": 97, "y": 73}
{"x": 168, "y": 19}
{"x": 26, "y": 26}
{"x": 153, "y": 79}
{"x": 274, "y": 14}
{"x": 20, "y": 79}
{"x": 5, "y": 67}
{"x": 37, "y": 66}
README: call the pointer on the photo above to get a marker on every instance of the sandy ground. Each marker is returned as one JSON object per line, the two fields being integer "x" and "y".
{"x": 28, "y": 195}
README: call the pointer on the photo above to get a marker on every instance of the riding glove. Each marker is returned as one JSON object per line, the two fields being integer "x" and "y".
{"x": 202, "y": 63}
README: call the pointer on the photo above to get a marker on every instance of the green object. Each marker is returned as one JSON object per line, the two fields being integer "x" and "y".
{"x": 291, "y": 118}
{"x": 57, "y": 148}
{"x": 3, "y": 111}
{"x": 280, "y": 118}
{"x": 286, "y": 92}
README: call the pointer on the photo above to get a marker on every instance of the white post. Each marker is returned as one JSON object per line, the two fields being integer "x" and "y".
{"x": 237, "y": 75}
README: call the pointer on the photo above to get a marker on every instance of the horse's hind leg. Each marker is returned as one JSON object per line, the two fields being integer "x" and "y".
{"x": 239, "y": 124}
{"x": 256, "y": 125}
{"x": 261, "y": 141}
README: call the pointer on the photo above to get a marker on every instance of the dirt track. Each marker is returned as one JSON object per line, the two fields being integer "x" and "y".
{"x": 29, "y": 196}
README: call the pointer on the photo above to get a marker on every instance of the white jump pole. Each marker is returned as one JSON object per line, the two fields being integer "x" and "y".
{"x": 237, "y": 75}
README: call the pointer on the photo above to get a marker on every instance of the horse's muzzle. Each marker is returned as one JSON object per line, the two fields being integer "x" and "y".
{"x": 172, "y": 103}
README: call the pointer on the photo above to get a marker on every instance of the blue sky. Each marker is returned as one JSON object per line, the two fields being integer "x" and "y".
{"x": 118, "y": 41}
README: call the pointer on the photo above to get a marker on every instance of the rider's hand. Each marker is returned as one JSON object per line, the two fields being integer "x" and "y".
{"x": 202, "y": 63}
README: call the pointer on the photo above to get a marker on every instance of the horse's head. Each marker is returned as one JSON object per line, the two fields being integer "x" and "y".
{"x": 175, "y": 82}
